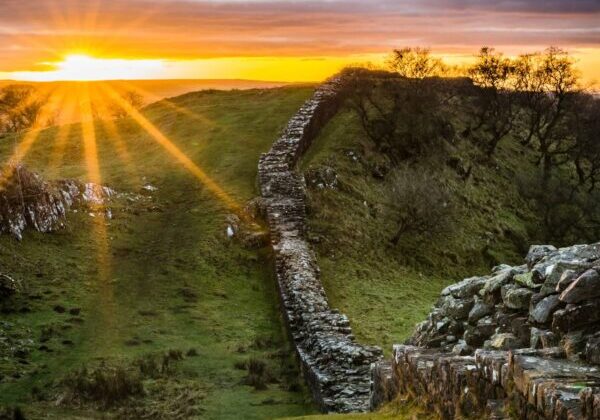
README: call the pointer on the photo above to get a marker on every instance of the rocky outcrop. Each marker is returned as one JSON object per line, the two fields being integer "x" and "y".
{"x": 335, "y": 366}
{"x": 28, "y": 201}
{"x": 523, "y": 339}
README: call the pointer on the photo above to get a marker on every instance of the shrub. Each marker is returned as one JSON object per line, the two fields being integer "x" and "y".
{"x": 423, "y": 205}
{"x": 567, "y": 213}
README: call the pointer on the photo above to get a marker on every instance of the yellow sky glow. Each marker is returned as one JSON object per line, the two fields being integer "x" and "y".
{"x": 81, "y": 67}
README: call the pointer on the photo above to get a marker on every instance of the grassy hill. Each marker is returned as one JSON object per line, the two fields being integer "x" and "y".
{"x": 386, "y": 289}
{"x": 165, "y": 280}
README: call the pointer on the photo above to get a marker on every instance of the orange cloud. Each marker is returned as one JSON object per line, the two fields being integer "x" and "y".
{"x": 336, "y": 30}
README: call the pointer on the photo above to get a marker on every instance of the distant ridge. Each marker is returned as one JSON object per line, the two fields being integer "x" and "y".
{"x": 153, "y": 90}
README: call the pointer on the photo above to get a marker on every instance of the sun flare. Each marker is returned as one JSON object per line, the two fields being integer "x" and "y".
{"x": 82, "y": 67}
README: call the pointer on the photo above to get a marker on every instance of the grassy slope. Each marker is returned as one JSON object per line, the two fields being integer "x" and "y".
{"x": 154, "y": 255}
{"x": 386, "y": 290}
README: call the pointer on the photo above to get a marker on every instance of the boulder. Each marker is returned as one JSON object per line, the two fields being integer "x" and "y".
{"x": 504, "y": 341}
{"x": 517, "y": 298}
{"x": 466, "y": 288}
{"x": 456, "y": 308}
{"x": 585, "y": 287}
{"x": 568, "y": 277}
{"x": 493, "y": 285}
{"x": 574, "y": 317}
{"x": 479, "y": 310}
{"x": 528, "y": 280}
{"x": 554, "y": 273}
{"x": 542, "y": 311}
{"x": 537, "y": 252}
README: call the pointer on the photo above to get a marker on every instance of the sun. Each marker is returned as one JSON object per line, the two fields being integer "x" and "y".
{"x": 82, "y": 67}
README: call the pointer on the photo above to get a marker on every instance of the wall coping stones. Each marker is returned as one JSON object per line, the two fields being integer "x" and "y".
{"x": 336, "y": 367}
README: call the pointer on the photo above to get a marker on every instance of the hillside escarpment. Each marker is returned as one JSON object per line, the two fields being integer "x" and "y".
{"x": 524, "y": 338}
{"x": 335, "y": 366}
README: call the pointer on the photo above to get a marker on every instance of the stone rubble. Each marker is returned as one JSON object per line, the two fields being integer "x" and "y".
{"x": 26, "y": 200}
{"x": 522, "y": 340}
{"x": 337, "y": 369}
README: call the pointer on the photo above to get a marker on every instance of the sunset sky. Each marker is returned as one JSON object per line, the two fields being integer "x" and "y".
{"x": 274, "y": 39}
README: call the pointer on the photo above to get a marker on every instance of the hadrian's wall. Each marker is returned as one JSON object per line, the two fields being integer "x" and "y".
{"x": 336, "y": 367}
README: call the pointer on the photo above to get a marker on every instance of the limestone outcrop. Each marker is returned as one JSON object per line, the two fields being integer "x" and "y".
{"x": 524, "y": 340}
{"x": 28, "y": 201}
{"x": 336, "y": 367}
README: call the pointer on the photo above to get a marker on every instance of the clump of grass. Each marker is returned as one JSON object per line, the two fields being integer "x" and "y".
{"x": 105, "y": 384}
{"x": 110, "y": 384}
{"x": 192, "y": 352}
{"x": 259, "y": 374}
{"x": 151, "y": 366}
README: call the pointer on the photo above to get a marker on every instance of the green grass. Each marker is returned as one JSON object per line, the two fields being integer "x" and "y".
{"x": 173, "y": 280}
{"x": 384, "y": 289}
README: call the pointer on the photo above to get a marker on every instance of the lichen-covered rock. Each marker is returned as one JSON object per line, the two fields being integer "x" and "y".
{"x": 576, "y": 317}
{"x": 27, "y": 201}
{"x": 537, "y": 252}
{"x": 585, "y": 287}
{"x": 555, "y": 272}
{"x": 542, "y": 311}
{"x": 466, "y": 288}
{"x": 479, "y": 310}
{"x": 504, "y": 341}
{"x": 517, "y": 298}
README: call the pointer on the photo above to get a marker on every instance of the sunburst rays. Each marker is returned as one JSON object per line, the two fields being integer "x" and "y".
{"x": 125, "y": 85}
{"x": 24, "y": 144}
{"x": 172, "y": 149}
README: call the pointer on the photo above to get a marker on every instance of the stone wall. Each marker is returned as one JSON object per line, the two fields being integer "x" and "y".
{"x": 522, "y": 341}
{"x": 335, "y": 366}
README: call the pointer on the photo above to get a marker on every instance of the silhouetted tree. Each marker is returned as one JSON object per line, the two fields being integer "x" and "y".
{"x": 585, "y": 128}
{"x": 405, "y": 118}
{"x": 547, "y": 85}
{"x": 494, "y": 107}
{"x": 415, "y": 63}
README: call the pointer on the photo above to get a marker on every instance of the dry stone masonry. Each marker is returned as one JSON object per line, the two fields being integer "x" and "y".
{"x": 27, "y": 200}
{"x": 522, "y": 342}
{"x": 335, "y": 366}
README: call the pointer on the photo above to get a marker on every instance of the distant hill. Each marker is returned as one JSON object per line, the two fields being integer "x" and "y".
{"x": 150, "y": 90}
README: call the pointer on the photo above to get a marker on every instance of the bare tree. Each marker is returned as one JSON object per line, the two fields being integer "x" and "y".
{"x": 494, "y": 109}
{"x": 585, "y": 127}
{"x": 422, "y": 202}
{"x": 415, "y": 63}
{"x": 405, "y": 118}
{"x": 548, "y": 83}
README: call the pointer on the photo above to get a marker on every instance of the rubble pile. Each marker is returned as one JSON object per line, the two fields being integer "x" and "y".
{"x": 524, "y": 339}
